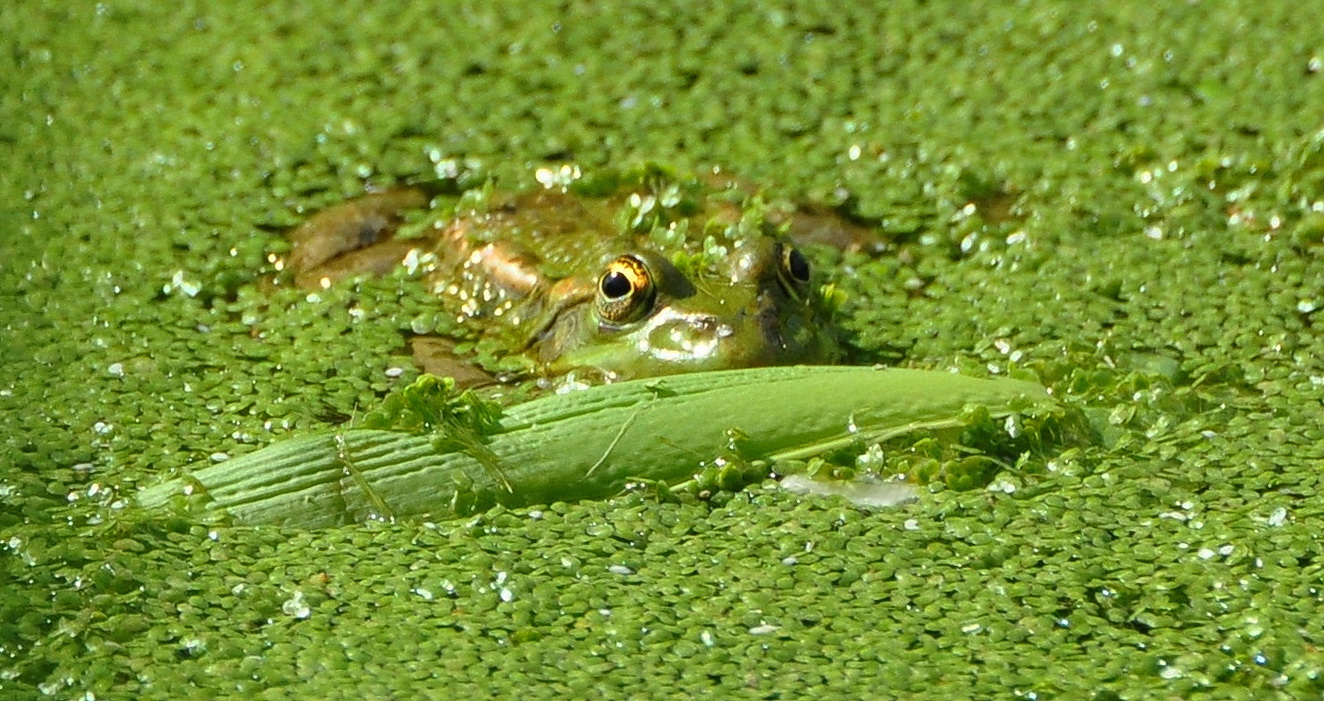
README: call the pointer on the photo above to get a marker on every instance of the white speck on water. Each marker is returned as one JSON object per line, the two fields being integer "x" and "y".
{"x": 911, "y": 524}
{"x": 192, "y": 645}
{"x": 706, "y": 637}
{"x": 1278, "y": 517}
{"x": 102, "y": 427}
{"x": 425, "y": 593}
{"x": 179, "y": 284}
{"x": 411, "y": 261}
{"x": 421, "y": 325}
{"x": 619, "y": 569}
{"x": 115, "y": 370}
{"x": 1004, "y": 486}
{"x": 394, "y": 372}
{"x": 561, "y": 177}
{"x": 861, "y": 492}
{"x": 872, "y": 457}
{"x": 220, "y": 457}
{"x": 971, "y": 628}
{"x": 295, "y": 606}
{"x": 764, "y": 629}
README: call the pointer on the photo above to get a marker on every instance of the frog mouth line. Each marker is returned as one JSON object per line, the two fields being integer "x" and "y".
{"x": 694, "y": 338}
{"x": 689, "y": 337}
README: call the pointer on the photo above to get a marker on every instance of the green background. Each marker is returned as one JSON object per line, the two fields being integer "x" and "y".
{"x": 1125, "y": 200}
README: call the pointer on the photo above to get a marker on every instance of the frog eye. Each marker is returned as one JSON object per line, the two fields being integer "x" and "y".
{"x": 625, "y": 291}
{"x": 794, "y": 267}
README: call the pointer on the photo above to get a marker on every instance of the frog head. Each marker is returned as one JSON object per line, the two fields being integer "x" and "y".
{"x": 645, "y": 314}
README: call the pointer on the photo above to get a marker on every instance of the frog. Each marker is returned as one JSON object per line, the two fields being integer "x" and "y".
{"x": 614, "y": 277}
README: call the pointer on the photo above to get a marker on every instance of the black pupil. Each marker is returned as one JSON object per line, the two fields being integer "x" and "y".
{"x": 798, "y": 266}
{"x": 615, "y": 285}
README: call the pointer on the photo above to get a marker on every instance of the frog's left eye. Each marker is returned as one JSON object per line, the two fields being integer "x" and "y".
{"x": 794, "y": 267}
{"x": 625, "y": 291}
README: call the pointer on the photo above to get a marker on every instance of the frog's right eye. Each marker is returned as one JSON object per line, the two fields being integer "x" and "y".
{"x": 625, "y": 291}
{"x": 793, "y": 270}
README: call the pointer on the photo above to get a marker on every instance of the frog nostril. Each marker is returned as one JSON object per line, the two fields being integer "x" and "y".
{"x": 704, "y": 323}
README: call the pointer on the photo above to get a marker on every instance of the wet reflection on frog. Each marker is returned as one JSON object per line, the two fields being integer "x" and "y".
{"x": 656, "y": 276}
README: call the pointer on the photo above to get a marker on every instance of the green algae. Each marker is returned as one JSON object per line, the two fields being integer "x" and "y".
{"x": 1122, "y": 201}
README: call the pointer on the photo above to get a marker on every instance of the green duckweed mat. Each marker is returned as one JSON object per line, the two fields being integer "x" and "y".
{"x": 1123, "y": 200}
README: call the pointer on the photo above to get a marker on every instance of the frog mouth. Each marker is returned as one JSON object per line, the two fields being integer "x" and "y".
{"x": 676, "y": 337}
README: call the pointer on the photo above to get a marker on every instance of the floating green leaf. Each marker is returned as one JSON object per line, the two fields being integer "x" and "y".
{"x": 431, "y": 453}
